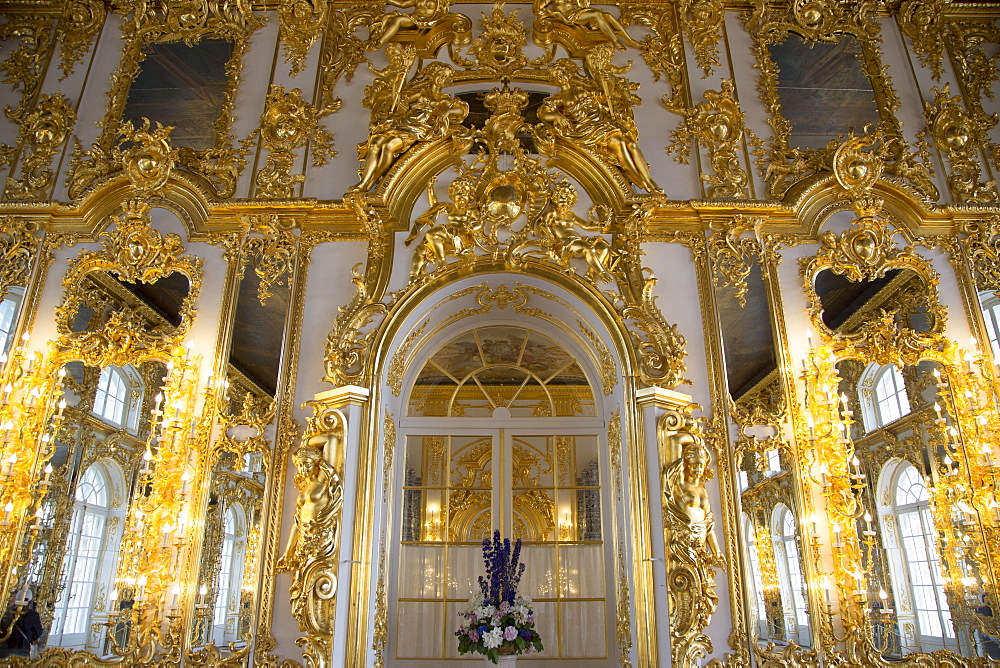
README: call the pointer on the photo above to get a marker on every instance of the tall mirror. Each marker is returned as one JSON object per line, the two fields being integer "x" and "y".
{"x": 229, "y": 571}
{"x": 770, "y": 536}
{"x": 904, "y": 459}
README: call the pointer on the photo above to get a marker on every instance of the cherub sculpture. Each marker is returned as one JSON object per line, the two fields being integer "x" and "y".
{"x": 581, "y": 114}
{"x": 557, "y": 229}
{"x": 423, "y": 113}
{"x": 455, "y": 236}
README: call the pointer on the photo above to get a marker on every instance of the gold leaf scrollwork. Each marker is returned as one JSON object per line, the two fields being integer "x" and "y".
{"x": 958, "y": 136}
{"x": 728, "y": 253}
{"x": 287, "y": 124}
{"x": 692, "y": 547}
{"x": 663, "y": 52}
{"x": 314, "y": 542}
{"x": 149, "y": 159}
{"x": 347, "y": 344}
{"x": 717, "y": 123}
{"x": 340, "y": 53}
{"x": 42, "y": 132}
{"x": 133, "y": 252}
{"x": 623, "y": 617}
{"x": 81, "y": 22}
{"x": 18, "y": 250}
{"x": 923, "y": 22}
{"x": 982, "y": 247}
{"x": 300, "y": 22}
{"x": 701, "y": 21}
{"x": 24, "y": 66}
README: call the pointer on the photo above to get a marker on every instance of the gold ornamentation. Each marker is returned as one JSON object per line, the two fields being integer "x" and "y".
{"x": 314, "y": 542}
{"x": 19, "y": 247}
{"x": 663, "y": 52}
{"x": 397, "y": 366}
{"x": 422, "y": 114}
{"x": 133, "y": 252}
{"x": 982, "y": 247}
{"x": 42, "y": 132}
{"x": 149, "y": 159}
{"x": 595, "y": 114}
{"x": 923, "y": 22}
{"x": 389, "y": 446}
{"x": 340, "y": 53}
{"x": 300, "y": 23}
{"x": 80, "y": 23}
{"x": 623, "y": 618}
{"x": 615, "y": 449}
{"x": 345, "y": 359}
{"x": 958, "y": 136}
{"x": 609, "y": 375}
{"x": 702, "y": 21}
{"x": 730, "y": 253}
{"x": 25, "y": 64}
{"x": 380, "y": 634}
{"x": 288, "y": 123}
{"x": 428, "y": 26}
{"x": 717, "y": 123}
{"x": 498, "y": 51}
{"x": 692, "y": 547}
{"x": 822, "y": 21}
{"x": 577, "y": 26}
{"x": 189, "y": 21}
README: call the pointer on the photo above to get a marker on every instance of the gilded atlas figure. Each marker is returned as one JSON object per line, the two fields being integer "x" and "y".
{"x": 582, "y": 114}
{"x": 455, "y": 236}
{"x": 557, "y": 228}
{"x": 423, "y": 113}
{"x": 311, "y": 552}
{"x": 580, "y": 13}
{"x": 692, "y": 547}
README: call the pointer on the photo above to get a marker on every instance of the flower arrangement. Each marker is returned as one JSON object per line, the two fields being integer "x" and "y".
{"x": 498, "y": 621}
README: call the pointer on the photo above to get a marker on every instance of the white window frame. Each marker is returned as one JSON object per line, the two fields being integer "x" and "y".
{"x": 791, "y": 582}
{"x": 10, "y": 310}
{"x": 878, "y": 407}
{"x": 912, "y": 555}
{"x": 229, "y": 584}
{"x": 118, "y": 395}
{"x": 990, "y": 304}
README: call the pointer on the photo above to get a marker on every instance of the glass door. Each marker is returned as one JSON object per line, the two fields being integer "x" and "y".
{"x": 543, "y": 486}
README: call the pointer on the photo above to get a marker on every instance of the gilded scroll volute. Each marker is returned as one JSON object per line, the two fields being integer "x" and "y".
{"x": 43, "y": 131}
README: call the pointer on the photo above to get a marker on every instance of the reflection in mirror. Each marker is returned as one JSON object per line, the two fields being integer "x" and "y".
{"x": 848, "y": 305}
{"x": 71, "y": 559}
{"x": 158, "y": 307}
{"x": 989, "y": 302}
{"x": 182, "y": 85}
{"x": 923, "y": 586}
{"x": 823, "y": 89}
{"x": 770, "y": 536}
{"x": 227, "y": 575}
{"x": 10, "y": 311}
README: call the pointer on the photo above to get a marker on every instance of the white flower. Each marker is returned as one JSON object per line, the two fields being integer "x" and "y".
{"x": 485, "y": 611}
{"x": 474, "y": 603}
{"x": 493, "y": 638}
{"x": 524, "y": 600}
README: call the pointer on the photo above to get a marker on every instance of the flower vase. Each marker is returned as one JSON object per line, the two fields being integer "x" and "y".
{"x": 505, "y": 661}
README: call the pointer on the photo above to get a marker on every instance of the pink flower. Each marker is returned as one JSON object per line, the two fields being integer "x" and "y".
{"x": 530, "y": 649}
{"x": 473, "y": 636}
{"x": 505, "y": 607}
{"x": 510, "y": 633}
{"x": 496, "y": 619}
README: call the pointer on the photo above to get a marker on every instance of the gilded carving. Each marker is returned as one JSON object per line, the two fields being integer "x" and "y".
{"x": 389, "y": 446}
{"x": 982, "y": 247}
{"x": 288, "y": 123}
{"x": 663, "y": 52}
{"x": 976, "y": 71}
{"x": 692, "y": 547}
{"x": 702, "y": 21}
{"x": 428, "y": 26}
{"x": 423, "y": 113}
{"x": 717, "y": 124}
{"x": 18, "y": 250}
{"x": 299, "y": 24}
{"x": 595, "y": 114}
{"x": 623, "y": 618}
{"x": 340, "y": 52}
{"x": 188, "y": 22}
{"x": 577, "y": 25}
{"x": 730, "y": 253}
{"x": 42, "y": 132}
{"x": 24, "y": 65}
{"x": 80, "y": 23}
{"x": 822, "y": 21}
{"x": 923, "y": 22}
{"x": 958, "y": 136}
{"x": 314, "y": 542}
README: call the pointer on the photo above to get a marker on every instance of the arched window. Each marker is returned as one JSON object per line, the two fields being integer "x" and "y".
{"x": 990, "y": 304}
{"x": 790, "y": 580}
{"x": 915, "y": 562}
{"x": 884, "y": 397}
{"x": 229, "y": 585}
{"x": 89, "y": 558}
{"x": 758, "y": 607}
{"x": 9, "y": 307}
{"x": 118, "y": 392}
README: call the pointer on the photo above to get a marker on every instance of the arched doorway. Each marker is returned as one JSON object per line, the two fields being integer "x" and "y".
{"x": 504, "y": 425}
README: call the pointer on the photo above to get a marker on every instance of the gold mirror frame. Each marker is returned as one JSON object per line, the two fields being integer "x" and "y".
{"x": 189, "y": 23}
{"x": 822, "y": 21}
